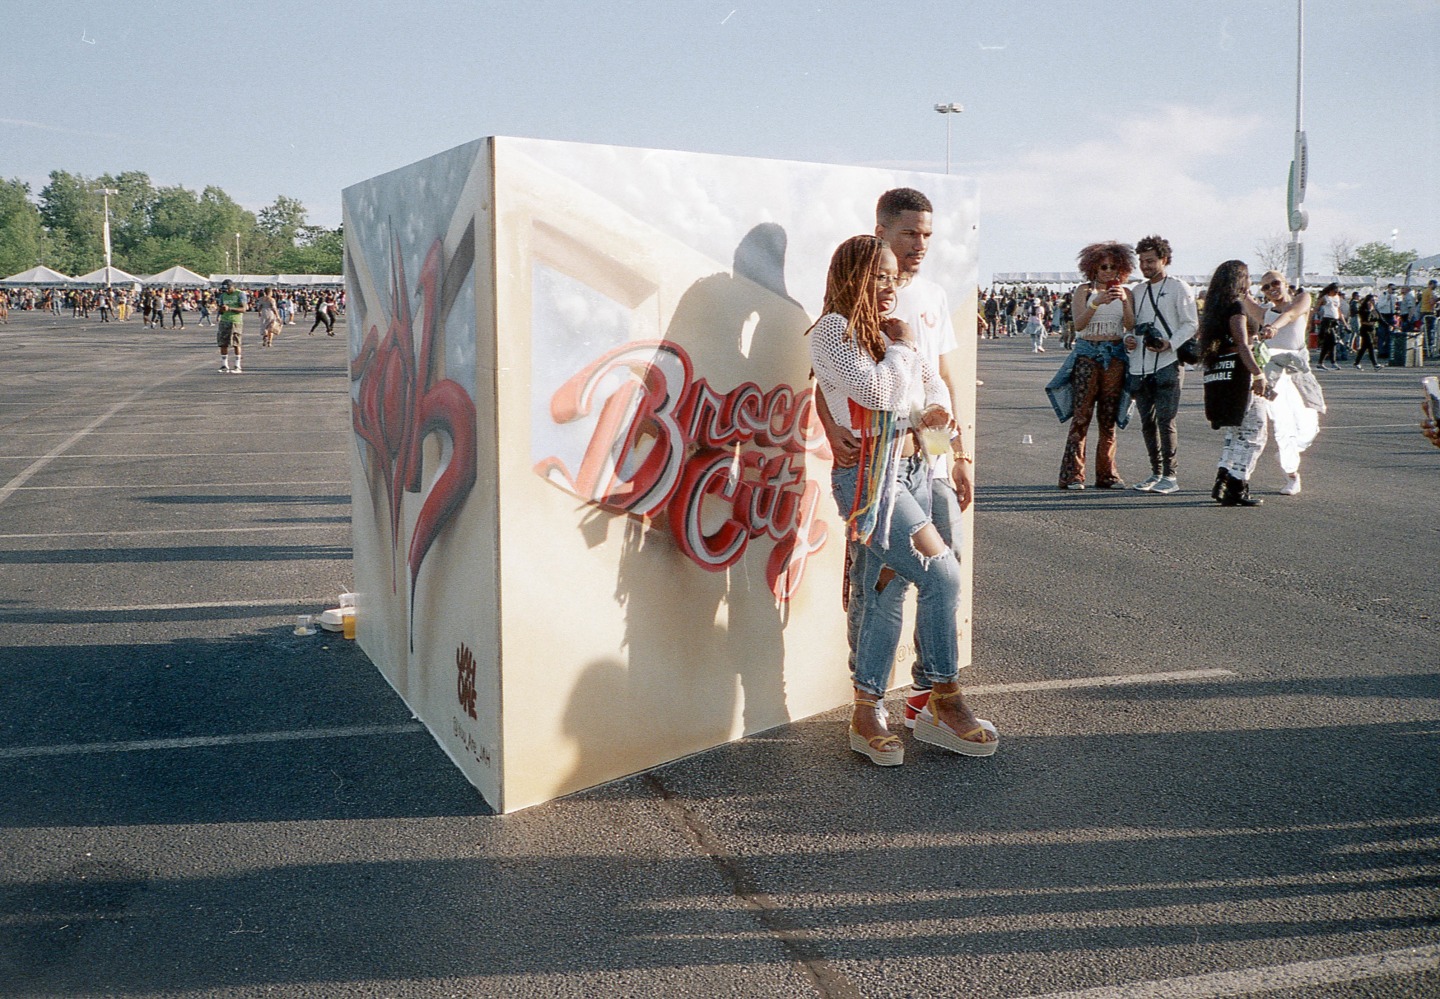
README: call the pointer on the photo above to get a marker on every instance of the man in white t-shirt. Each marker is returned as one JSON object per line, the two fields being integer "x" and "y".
{"x": 904, "y": 219}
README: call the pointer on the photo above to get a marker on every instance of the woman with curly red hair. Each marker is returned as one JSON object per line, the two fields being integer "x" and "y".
{"x": 1091, "y": 382}
{"x": 878, "y": 384}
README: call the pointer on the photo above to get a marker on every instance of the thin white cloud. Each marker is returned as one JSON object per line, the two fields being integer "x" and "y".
{"x": 62, "y": 129}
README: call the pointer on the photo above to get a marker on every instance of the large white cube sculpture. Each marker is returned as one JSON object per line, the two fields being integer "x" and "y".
{"x": 593, "y": 527}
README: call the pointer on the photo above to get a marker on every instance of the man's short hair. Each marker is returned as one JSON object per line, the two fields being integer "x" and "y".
{"x": 1158, "y": 245}
{"x": 900, "y": 199}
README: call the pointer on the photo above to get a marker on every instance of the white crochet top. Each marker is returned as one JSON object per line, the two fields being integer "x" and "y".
{"x": 896, "y": 383}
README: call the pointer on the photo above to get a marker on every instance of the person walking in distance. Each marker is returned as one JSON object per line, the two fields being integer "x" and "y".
{"x": 324, "y": 316}
{"x": 269, "y": 318}
{"x": 1332, "y": 308}
{"x": 1369, "y": 319}
{"x": 1167, "y": 304}
{"x": 232, "y": 304}
{"x": 1386, "y": 302}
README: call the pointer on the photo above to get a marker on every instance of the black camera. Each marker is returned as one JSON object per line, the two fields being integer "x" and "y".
{"x": 1148, "y": 333}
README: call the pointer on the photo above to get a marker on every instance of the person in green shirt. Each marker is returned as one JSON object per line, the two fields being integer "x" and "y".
{"x": 232, "y": 305}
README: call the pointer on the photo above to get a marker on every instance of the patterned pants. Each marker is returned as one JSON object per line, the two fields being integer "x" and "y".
{"x": 1244, "y": 444}
{"x": 1097, "y": 393}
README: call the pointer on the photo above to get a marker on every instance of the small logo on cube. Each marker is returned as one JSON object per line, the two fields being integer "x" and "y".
{"x": 465, "y": 679}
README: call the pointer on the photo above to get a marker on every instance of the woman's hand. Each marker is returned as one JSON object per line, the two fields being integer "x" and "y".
{"x": 1259, "y": 384}
{"x": 936, "y": 415}
{"x": 1428, "y": 426}
{"x": 897, "y": 331}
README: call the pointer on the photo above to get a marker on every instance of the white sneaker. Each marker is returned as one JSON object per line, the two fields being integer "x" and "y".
{"x": 1292, "y": 486}
{"x": 1147, "y": 485}
{"x": 236, "y": 370}
{"x": 1166, "y": 485}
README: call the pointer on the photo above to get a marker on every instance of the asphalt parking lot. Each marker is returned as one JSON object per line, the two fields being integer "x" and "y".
{"x": 1218, "y": 771}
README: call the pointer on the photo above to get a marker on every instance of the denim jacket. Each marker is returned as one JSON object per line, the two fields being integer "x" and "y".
{"x": 1062, "y": 394}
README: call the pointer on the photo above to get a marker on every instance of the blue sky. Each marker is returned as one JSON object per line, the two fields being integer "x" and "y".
{"x": 1081, "y": 122}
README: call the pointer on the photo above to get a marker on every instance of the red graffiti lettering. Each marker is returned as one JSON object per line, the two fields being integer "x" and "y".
{"x": 666, "y": 441}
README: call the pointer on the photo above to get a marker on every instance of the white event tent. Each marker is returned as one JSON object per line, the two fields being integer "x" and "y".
{"x": 35, "y": 277}
{"x": 281, "y": 280}
{"x": 105, "y": 276}
{"x": 178, "y": 277}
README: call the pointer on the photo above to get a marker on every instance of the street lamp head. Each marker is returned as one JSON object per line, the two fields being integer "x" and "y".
{"x": 951, "y": 108}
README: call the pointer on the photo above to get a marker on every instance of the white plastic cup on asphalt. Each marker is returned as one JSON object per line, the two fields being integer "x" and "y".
{"x": 303, "y": 624}
{"x": 1026, "y": 440}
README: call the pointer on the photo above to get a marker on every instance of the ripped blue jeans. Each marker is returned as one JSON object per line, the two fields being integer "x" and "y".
{"x": 877, "y": 624}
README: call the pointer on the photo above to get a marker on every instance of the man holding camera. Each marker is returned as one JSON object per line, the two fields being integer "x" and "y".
{"x": 1165, "y": 318}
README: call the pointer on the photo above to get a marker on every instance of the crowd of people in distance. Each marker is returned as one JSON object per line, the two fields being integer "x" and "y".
{"x": 1361, "y": 324}
{"x": 223, "y": 308}
{"x": 152, "y": 306}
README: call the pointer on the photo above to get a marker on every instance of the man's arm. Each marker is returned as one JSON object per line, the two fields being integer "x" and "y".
{"x": 1187, "y": 316}
{"x": 962, "y": 472}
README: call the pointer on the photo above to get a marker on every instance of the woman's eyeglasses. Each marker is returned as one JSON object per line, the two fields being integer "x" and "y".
{"x": 1269, "y": 284}
{"x": 887, "y": 280}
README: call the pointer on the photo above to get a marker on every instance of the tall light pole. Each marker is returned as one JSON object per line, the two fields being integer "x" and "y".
{"x": 947, "y": 110}
{"x": 1299, "y": 166}
{"x": 237, "y": 253}
{"x": 105, "y": 193}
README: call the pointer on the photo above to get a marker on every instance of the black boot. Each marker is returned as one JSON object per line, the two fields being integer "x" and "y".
{"x": 1221, "y": 477}
{"x": 1237, "y": 493}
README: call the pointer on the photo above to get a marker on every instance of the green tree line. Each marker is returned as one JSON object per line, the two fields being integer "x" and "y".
{"x": 152, "y": 228}
{"x": 1375, "y": 259}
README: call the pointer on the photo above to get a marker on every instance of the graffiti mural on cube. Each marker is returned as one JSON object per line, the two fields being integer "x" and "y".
{"x": 593, "y": 522}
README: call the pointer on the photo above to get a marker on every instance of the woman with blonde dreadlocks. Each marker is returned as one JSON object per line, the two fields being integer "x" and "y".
{"x": 873, "y": 380}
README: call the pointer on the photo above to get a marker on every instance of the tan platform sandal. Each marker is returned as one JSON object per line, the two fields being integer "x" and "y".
{"x": 931, "y": 729}
{"x": 883, "y": 750}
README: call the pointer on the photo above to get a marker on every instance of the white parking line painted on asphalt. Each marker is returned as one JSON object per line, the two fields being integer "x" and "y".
{"x": 59, "y": 449}
{"x": 1378, "y": 426}
{"x": 184, "y": 530}
{"x": 193, "y": 485}
{"x": 309, "y": 432}
{"x": 143, "y": 745}
{"x": 1301, "y": 974}
{"x": 202, "y": 605}
{"x": 1102, "y": 681}
{"x": 227, "y": 455}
